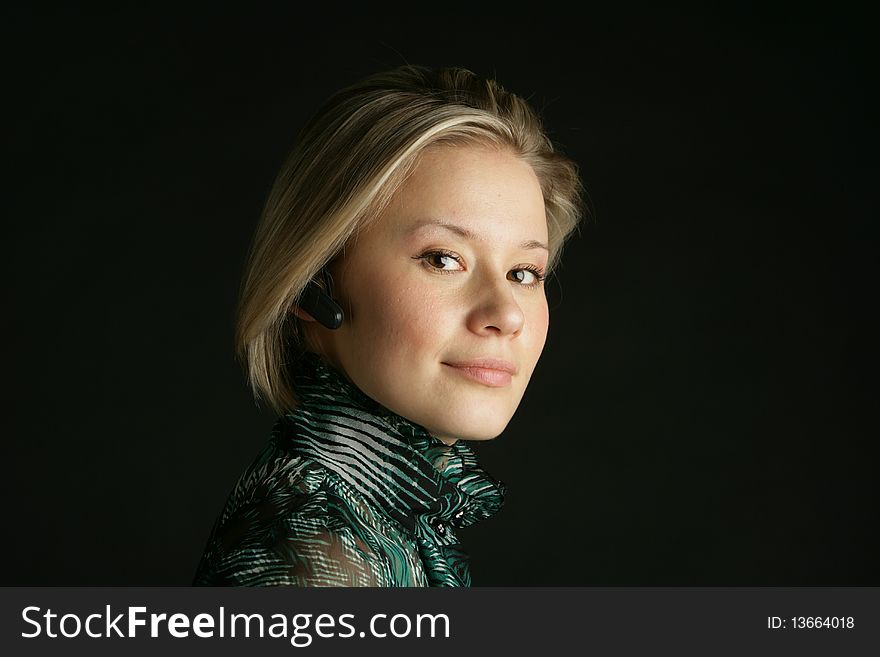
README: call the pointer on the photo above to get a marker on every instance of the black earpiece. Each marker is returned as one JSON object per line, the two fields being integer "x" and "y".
{"x": 320, "y": 304}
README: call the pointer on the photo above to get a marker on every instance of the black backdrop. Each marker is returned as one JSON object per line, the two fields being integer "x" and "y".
{"x": 703, "y": 413}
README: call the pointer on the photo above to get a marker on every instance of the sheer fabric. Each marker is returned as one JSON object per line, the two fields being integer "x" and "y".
{"x": 347, "y": 493}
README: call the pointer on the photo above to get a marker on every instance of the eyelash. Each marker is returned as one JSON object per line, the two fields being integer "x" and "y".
{"x": 535, "y": 271}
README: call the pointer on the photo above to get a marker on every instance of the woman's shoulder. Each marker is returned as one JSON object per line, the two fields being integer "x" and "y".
{"x": 278, "y": 481}
{"x": 283, "y": 519}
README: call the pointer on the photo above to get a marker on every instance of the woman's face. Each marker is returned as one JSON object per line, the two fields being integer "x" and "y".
{"x": 418, "y": 296}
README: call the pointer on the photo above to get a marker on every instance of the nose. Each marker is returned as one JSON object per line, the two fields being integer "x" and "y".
{"x": 495, "y": 308}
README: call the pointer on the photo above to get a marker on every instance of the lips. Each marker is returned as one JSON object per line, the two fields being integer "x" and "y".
{"x": 492, "y": 372}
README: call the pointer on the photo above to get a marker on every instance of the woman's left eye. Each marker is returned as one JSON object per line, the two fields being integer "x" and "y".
{"x": 536, "y": 274}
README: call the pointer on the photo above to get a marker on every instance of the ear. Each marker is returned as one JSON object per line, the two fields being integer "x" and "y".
{"x": 302, "y": 314}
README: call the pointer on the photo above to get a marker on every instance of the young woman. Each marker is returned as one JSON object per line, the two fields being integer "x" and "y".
{"x": 392, "y": 310}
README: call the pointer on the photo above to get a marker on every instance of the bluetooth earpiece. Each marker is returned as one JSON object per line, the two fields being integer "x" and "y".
{"x": 320, "y": 304}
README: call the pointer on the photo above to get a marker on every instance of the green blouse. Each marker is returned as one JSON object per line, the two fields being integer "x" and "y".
{"x": 347, "y": 493}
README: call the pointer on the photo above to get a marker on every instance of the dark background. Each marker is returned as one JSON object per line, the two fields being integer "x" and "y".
{"x": 704, "y": 410}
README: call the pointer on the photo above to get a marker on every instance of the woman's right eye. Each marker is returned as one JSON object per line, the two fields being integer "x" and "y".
{"x": 439, "y": 260}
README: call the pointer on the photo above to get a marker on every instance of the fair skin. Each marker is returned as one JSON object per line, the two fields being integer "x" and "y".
{"x": 405, "y": 315}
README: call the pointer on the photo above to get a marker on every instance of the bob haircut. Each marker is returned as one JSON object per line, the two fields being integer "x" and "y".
{"x": 346, "y": 165}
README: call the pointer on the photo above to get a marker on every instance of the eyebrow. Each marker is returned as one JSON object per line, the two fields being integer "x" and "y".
{"x": 469, "y": 235}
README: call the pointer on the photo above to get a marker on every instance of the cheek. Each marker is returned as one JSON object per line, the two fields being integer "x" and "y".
{"x": 402, "y": 318}
{"x": 539, "y": 319}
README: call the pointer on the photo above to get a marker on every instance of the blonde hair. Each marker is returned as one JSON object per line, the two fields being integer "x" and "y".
{"x": 347, "y": 163}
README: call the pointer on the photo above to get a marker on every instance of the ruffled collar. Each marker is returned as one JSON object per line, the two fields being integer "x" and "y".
{"x": 427, "y": 486}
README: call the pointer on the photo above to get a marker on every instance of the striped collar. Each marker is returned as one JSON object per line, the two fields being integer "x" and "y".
{"x": 397, "y": 465}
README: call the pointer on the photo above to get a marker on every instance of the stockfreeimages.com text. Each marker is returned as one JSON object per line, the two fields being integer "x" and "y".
{"x": 203, "y": 625}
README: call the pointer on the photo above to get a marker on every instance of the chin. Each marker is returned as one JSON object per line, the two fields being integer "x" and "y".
{"x": 467, "y": 432}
